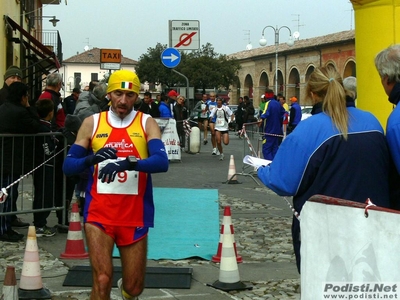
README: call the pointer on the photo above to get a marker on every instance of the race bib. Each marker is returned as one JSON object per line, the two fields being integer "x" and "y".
{"x": 203, "y": 114}
{"x": 220, "y": 122}
{"x": 125, "y": 183}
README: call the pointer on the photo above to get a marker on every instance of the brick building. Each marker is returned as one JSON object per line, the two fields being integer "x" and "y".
{"x": 295, "y": 63}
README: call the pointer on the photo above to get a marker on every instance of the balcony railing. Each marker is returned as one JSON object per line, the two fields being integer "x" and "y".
{"x": 52, "y": 40}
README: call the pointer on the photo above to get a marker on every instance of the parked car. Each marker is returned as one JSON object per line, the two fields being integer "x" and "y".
{"x": 306, "y": 112}
{"x": 232, "y": 125}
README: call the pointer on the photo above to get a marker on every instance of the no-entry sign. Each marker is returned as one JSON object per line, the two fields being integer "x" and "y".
{"x": 184, "y": 35}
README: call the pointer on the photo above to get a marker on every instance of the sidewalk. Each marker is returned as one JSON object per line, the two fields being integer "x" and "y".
{"x": 261, "y": 222}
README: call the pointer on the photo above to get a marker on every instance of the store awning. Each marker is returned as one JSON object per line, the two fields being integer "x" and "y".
{"x": 46, "y": 58}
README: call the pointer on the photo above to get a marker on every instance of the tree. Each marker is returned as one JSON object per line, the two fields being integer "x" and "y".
{"x": 204, "y": 68}
{"x": 151, "y": 69}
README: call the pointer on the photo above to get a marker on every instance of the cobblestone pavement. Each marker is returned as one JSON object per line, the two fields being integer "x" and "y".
{"x": 258, "y": 239}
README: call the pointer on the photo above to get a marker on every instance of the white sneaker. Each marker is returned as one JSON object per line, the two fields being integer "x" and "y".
{"x": 214, "y": 152}
{"x": 218, "y": 152}
{"x": 221, "y": 157}
{"x": 120, "y": 288}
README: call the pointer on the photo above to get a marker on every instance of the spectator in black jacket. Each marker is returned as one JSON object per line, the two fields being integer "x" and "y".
{"x": 43, "y": 177}
{"x": 180, "y": 114}
{"x": 249, "y": 111}
{"x": 148, "y": 106}
{"x": 70, "y": 101}
{"x": 12, "y": 74}
{"x": 16, "y": 117}
{"x": 239, "y": 115}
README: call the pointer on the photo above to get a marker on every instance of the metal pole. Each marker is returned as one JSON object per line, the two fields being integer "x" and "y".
{"x": 263, "y": 42}
{"x": 276, "y": 65}
{"x": 187, "y": 84}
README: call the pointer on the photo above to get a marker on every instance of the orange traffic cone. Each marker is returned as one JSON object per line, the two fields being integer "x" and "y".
{"x": 75, "y": 247}
{"x": 30, "y": 284}
{"x": 10, "y": 289}
{"x": 229, "y": 279}
{"x": 232, "y": 172}
{"x": 226, "y": 228}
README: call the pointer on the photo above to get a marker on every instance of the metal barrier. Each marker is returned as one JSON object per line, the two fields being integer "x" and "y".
{"x": 252, "y": 139}
{"x": 19, "y": 159}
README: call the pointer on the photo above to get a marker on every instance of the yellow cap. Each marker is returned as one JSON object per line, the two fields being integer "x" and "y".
{"x": 123, "y": 80}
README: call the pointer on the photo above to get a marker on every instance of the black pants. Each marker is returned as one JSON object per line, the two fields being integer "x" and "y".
{"x": 43, "y": 181}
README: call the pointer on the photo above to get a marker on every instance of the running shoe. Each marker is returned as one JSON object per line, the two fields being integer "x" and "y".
{"x": 214, "y": 152}
{"x": 19, "y": 223}
{"x": 221, "y": 156}
{"x": 45, "y": 231}
{"x": 120, "y": 289}
{"x": 205, "y": 142}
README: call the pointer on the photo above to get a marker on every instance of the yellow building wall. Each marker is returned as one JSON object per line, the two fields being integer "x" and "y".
{"x": 376, "y": 27}
{"x": 12, "y": 9}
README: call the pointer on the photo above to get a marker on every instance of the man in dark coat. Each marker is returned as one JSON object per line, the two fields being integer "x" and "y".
{"x": 12, "y": 74}
{"x": 148, "y": 106}
{"x": 70, "y": 101}
{"x": 16, "y": 117}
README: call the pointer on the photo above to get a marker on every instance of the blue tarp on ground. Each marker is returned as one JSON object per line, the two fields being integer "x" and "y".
{"x": 186, "y": 224}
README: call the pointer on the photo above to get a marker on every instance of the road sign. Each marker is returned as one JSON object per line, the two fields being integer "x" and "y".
{"x": 184, "y": 35}
{"x": 110, "y": 66}
{"x": 170, "y": 57}
{"x": 110, "y": 55}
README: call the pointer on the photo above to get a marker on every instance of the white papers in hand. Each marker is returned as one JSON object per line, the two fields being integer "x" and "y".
{"x": 255, "y": 161}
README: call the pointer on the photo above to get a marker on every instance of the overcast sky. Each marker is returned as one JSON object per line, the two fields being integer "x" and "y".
{"x": 229, "y": 25}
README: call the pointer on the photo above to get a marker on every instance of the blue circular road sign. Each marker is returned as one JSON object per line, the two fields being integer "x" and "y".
{"x": 170, "y": 57}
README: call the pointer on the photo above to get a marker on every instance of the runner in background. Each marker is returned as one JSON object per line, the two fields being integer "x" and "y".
{"x": 220, "y": 116}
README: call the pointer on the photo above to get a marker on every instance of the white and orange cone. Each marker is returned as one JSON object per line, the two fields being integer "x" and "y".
{"x": 226, "y": 228}
{"x": 232, "y": 172}
{"x": 31, "y": 285}
{"x": 75, "y": 247}
{"x": 229, "y": 278}
{"x": 10, "y": 289}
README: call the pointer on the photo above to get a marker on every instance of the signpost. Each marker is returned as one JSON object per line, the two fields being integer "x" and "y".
{"x": 184, "y": 35}
{"x": 110, "y": 59}
{"x": 170, "y": 57}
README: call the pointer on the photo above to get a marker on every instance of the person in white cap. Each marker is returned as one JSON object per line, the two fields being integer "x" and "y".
{"x": 122, "y": 147}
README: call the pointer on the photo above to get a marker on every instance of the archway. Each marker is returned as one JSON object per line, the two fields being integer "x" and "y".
{"x": 263, "y": 83}
{"x": 235, "y": 91}
{"x": 306, "y": 99}
{"x": 248, "y": 87}
{"x": 293, "y": 87}
{"x": 350, "y": 69}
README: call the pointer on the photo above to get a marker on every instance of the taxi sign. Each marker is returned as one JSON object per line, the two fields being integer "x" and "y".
{"x": 110, "y": 55}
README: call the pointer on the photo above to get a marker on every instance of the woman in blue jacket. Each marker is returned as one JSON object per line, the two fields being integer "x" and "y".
{"x": 340, "y": 153}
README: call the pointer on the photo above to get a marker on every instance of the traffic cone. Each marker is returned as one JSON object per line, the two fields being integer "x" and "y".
{"x": 232, "y": 172}
{"x": 10, "y": 289}
{"x": 226, "y": 228}
{"x": 30, "y": 284}
{"x": 75, "y": 247}
{"x": 229, "y": 279}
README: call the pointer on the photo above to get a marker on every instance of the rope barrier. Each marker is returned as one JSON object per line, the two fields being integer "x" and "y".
{"x": 187, "y": 127}
{"x": 243, "y": 132}
{"x": 295, "y": 213}
{"x": 3, "y": 192}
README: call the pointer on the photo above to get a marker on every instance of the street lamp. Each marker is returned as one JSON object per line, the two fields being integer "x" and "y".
{"x": 53, "y": 19}
{"x": 290, "y": 43}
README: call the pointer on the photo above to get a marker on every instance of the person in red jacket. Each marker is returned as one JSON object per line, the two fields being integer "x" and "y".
{"x": 52, "y": 91}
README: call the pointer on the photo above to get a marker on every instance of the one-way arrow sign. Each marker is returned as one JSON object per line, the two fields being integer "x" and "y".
{"x": 170, "y": 57}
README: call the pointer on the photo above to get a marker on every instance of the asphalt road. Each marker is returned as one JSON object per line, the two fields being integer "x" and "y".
{"x": 260, "y": 218}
